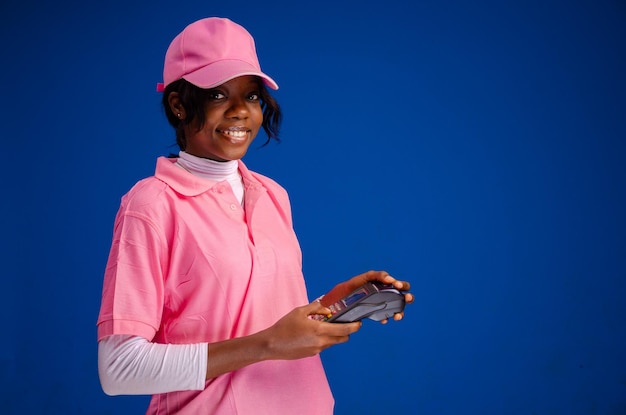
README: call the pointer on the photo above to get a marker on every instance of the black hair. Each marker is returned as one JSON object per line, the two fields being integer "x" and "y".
{"x": 194, "y": 100}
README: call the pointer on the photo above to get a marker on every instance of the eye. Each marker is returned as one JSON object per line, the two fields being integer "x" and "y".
{"x": 254, "y": 96}
{"x": 215, "y": 95}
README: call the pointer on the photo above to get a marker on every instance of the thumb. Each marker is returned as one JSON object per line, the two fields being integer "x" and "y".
{"x": 316, "y": 308}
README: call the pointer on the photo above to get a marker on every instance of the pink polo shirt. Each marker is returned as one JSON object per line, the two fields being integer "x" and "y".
{"x": 189, "y": 264}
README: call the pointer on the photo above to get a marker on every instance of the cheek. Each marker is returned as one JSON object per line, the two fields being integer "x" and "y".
{"x": 257, "y": 115}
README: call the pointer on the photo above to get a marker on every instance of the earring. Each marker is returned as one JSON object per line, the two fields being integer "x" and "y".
{"x": 178, "y": 115}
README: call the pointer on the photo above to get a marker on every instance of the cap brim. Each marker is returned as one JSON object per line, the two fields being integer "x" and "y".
{"x": 222, "y": 71}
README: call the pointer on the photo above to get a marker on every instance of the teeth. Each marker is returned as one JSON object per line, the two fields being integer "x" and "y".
{"x": 237, "y": 134}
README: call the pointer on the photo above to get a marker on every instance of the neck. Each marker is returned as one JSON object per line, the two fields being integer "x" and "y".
{"x": 207, "y": 168}
{"x": 216, "y": 171}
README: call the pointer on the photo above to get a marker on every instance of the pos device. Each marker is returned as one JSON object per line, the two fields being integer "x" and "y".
{"x": 374, "y": 300}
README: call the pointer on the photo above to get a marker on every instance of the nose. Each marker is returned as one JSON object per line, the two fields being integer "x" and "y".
{"x": 237, "y": 109}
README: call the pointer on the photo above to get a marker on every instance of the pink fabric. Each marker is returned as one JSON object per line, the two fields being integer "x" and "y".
{"x": 212, "y": 51}
{"x": 189, "y": 265}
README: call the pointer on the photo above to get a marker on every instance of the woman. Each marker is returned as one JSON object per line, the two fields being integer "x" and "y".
{"x": 204, "y": 304}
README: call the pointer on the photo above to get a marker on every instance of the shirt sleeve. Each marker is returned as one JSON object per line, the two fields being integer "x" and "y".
{"x": 132, "y": 296}
{"x": 131, "y": 365}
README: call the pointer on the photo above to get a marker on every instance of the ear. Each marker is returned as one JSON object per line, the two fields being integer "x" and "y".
{"x": 176, "y": 106}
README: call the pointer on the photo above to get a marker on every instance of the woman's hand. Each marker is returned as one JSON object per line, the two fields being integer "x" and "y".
{"x": 296, "y": 335}
{"x": 343, "y": 289}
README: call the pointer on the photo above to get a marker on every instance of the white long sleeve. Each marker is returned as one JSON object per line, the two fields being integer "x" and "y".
{"x": 131, "y": 365}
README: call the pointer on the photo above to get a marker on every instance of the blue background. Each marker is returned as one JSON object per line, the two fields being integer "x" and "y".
{"x": 476, "y": 149}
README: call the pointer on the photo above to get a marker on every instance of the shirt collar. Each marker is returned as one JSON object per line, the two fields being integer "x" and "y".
{"x": 185, "y": 183}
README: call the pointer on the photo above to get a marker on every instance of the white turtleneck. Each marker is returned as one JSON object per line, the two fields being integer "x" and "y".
{"x": 216, "y": 171}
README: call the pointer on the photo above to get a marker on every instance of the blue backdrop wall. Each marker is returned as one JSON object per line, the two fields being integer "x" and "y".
{"x": 476, "y": 149}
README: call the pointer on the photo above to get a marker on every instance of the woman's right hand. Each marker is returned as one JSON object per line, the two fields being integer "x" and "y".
{"x": 296, "y": 335}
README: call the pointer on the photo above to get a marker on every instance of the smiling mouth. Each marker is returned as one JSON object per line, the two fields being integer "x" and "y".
{"x": 235, "y": 136}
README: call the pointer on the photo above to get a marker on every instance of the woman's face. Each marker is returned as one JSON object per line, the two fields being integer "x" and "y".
{"x": 233, "y": 119}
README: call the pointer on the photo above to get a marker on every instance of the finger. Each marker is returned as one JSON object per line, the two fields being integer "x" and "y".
{"x": 382, "y": 276}
{"x": 386, "y": 278}
{"x": 342, "y": 329}
{"x": 398, "y": 284}
{"x": 352, "y": 328}
{"x": 316, "y": 308}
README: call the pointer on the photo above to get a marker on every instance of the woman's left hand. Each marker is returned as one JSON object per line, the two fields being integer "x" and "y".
{"x": 343, "y": 289}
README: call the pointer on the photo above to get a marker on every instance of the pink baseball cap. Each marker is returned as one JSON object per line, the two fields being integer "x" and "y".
{"x": 212, "y": 51}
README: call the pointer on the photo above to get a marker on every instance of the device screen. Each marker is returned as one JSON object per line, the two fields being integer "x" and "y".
{"x": 354, "y": 297}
